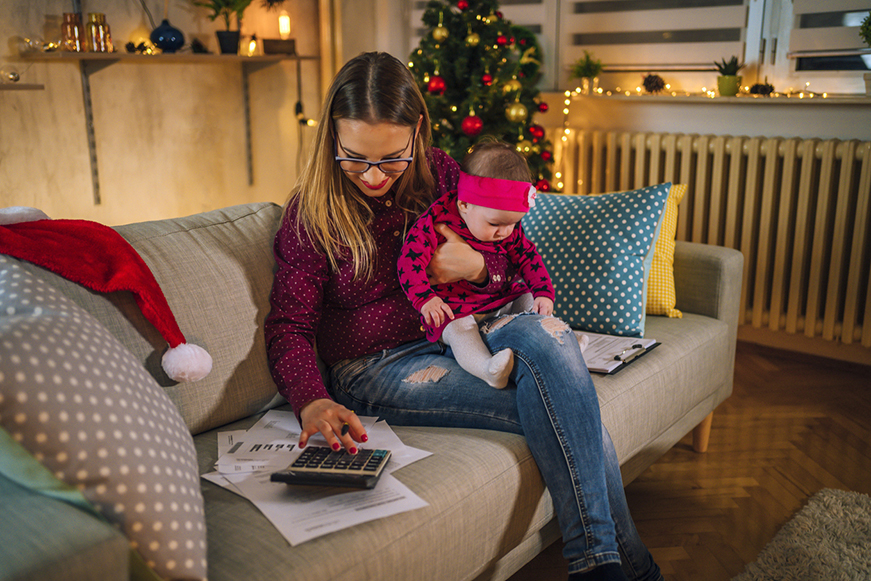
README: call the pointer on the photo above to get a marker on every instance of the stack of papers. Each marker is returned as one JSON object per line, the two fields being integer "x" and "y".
{"x": 301, "y": 513}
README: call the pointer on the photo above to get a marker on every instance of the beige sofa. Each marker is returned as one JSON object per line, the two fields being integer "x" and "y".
{"x": 488, "y": 512}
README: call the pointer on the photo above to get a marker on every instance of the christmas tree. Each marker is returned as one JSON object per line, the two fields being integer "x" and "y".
{"x": 478, "y": 73}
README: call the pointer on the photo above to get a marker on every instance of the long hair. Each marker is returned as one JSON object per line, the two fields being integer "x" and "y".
{"x": 374, "y": 87}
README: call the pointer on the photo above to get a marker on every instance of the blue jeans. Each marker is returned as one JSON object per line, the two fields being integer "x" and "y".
{"x": 554, "y": 406}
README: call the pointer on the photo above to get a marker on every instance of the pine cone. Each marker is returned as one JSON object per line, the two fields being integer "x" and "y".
{"x": 653, "y": 83}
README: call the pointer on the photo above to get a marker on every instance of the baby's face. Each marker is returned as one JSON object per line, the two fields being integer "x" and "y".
{"x": 488, "y": 224}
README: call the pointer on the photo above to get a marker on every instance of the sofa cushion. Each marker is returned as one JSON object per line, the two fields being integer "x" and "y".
{"x": 215, "y": 270}
{"x": 598, "y": 251}
{"x": 82, "y": 405}
{"x": 661, "y": 298}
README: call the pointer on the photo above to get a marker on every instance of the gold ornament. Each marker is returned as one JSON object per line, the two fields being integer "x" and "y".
{"x": 512, "y": 86}
{"x": 525, "y": 146}
{"x": 527, "y": 57}
{"x": 473, "y": 39}
{"x": 439, "y": 33}
{"x": 516, "y": 112}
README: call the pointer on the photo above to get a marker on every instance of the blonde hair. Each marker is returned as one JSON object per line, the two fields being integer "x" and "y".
{"x": 375, "y": 88}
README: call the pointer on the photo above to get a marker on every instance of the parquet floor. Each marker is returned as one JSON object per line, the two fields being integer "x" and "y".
{"x": 793, "y": 426}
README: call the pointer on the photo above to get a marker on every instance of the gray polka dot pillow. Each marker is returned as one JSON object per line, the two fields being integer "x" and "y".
{"x": 82, "y": 405}
{"x": 598, "y": 251}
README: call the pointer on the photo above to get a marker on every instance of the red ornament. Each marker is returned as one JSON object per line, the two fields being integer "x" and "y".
{"x": 487, "y": 79}
{"x": 436, "y": 85}
{"x": 522, "y": 42}
{"x": 542, "y": 107}
{"x": 462, "y": 4}
{"x": 501, "y": 40}
{"x": 537, "y": 132}
{"x": 546, "y": 155}
{"x": 512, "y": 40}
{"x": 498, "y": 15}
{"x": 472, "y": 125}
{"x": 542, "y": 185}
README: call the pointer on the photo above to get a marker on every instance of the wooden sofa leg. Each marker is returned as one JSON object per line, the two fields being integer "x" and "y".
{"x": 702, "y": 434}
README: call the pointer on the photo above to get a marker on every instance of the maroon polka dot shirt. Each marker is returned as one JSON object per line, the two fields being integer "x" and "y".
{"x": 345, "y": 318}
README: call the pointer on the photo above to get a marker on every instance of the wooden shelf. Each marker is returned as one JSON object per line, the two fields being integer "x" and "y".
{"x": 183, "y": 57}
{"x": 21, "y": 87}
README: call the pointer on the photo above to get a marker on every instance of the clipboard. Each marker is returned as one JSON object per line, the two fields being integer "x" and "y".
{"x": 608, "y": 354}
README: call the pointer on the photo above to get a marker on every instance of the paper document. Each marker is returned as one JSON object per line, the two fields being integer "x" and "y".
{"x": 609, "y": 353}
{"x": 247, "y": 458}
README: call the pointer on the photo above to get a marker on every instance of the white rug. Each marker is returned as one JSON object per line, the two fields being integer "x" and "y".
{"x": 827, "y": 540}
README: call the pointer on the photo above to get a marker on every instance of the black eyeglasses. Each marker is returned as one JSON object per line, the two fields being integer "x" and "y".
{"x": 387, "y": 166}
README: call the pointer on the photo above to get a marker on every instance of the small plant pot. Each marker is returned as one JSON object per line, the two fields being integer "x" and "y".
{"x": 228, "y": 41}
{"x": 867, "y": 84}
{"x": 728, "y": 85}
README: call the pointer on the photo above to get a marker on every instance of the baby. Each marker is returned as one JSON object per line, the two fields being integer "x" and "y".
{"x": 493, "y": 194}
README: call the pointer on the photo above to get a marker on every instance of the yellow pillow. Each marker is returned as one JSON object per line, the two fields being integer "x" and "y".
{"x": 660, "y": 285}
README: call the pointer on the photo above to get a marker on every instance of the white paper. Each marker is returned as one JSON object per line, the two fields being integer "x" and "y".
{"x": 600, "y": 353}
{"x": 302, "y": 513}
{"x": 246, "y": 460}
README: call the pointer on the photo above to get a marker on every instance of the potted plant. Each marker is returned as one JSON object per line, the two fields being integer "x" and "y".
{"x": 728, "y": 82}
{"x": 588, "y": 70}
{"x": 865, "y": 33}
{"x": 228, "y": 39}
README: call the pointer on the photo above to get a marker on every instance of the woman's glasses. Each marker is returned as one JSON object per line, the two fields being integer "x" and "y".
{"x": 387, "y": 166}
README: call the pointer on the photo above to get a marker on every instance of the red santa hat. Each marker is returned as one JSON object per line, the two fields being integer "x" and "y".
{"x": 499, "y": 194}
{"x": 99, "y": 258}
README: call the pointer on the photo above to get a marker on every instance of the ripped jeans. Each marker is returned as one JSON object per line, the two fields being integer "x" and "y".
{"x": 554, "y": 406}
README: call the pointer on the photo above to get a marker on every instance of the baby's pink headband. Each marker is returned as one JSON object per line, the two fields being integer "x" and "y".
{"x": 499, "y": 194}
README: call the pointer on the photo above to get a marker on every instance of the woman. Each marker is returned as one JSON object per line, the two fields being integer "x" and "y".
{"x": 372, "y": 172}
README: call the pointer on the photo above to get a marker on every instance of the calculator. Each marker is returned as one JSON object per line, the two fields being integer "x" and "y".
{"x": 320, "y": 465}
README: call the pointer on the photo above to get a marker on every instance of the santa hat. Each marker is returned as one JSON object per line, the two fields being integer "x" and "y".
{"x": 99, "y": 258}
{"x": 499, "y": 194}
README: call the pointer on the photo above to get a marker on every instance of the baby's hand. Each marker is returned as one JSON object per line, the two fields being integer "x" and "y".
{"x": 434, "y": 312}
{"x": 543, "y": 306}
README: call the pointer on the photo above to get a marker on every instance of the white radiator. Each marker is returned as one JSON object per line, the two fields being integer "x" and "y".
{"x": 798, "y": 209}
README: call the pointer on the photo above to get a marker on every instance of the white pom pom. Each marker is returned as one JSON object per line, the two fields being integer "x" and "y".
{"x": 186, "y": 363}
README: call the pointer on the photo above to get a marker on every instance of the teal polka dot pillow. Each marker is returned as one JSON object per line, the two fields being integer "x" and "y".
{"x": 598, "y": 251}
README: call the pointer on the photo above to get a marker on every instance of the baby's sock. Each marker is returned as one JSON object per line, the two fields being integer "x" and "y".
{"x": 500, "y": 368}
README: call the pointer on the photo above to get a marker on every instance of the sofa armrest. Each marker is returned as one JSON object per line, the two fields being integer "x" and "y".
{"x": 708, "y": 279}
{"x": 45, "y": 539}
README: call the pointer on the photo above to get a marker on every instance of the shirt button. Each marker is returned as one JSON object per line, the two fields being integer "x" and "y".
{"x": 388, "y": 203}
{"x": 421, "y": 328}
{"x": 396, "y": 233}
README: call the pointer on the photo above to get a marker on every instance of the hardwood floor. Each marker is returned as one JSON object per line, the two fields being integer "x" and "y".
{"x": 793, "y": 426}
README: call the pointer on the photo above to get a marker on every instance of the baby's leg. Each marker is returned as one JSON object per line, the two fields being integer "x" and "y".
{"x": 470, "y": 352}
{"x": 522, "y": 303}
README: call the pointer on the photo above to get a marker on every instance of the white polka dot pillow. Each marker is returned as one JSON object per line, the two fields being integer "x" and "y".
{"x": 81, "y": 404}
{"x": 598, "y": 251}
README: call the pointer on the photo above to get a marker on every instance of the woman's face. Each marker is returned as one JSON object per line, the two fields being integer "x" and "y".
{"x": 373, "y": 142}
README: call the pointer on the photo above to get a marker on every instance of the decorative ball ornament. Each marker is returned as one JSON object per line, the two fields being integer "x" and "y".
{"x": 537, "y": 132}
{"x": 462, "y": 4}
{"x": 473, "y": 39}
{"x": 525, "y": 147}
{"x": 542, "y": 107}
{"x": 511, "y": 86}
{"x": 487, "y": 79}
{"x": 546, "y": 155}
{"x": 542, "y": 185}
{"x": 516, "y": 112}
{"x": 472, "y": 125}
{"x": 501, "y": 40}
{"x": 436, "y": 85}
{"x": 439, "y": 33}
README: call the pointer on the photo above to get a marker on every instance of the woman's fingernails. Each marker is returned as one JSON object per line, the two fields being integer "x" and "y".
{"x": 336, "y": 446}
{"x": 353, "y": 450}
{"x": 364, "y": 437}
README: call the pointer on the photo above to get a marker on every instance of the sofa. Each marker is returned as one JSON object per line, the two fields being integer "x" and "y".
{"x": 489, "y": 512}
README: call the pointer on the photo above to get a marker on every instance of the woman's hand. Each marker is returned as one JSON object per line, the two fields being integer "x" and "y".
{"x": 455, "y": 260}
{"x": 328, "y": 418}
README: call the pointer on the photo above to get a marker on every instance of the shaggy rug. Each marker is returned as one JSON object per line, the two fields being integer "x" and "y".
{"x": 827, "y": 540}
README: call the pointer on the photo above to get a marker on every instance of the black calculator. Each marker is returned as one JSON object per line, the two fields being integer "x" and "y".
{"x": 319, "y": 465}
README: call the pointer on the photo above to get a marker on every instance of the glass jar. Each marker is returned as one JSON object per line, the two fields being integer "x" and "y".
{"x": 97, "y": 32}
{"x": 72, "y": 34}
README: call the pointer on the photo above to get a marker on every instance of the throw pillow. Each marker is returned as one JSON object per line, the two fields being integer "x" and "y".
{"x": 598, "y": 251}
{"x": 82, "y": 405}
{"x": 661, "y": 298}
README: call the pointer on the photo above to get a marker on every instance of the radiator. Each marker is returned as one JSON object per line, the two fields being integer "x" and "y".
{"x": 798, "y": 209}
